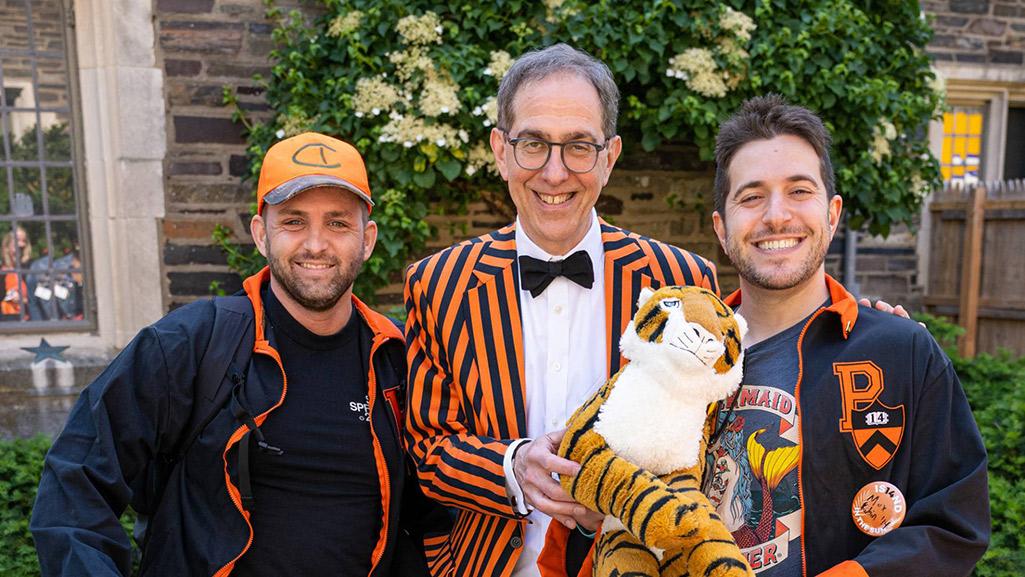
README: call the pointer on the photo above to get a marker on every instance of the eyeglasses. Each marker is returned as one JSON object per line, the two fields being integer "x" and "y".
{"x": 578, "y": 156}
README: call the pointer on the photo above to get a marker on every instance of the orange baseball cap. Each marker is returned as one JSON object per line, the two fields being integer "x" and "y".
{"x": 307, "y": 161}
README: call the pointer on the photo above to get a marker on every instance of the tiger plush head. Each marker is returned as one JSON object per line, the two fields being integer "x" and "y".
{"x": 686, "y": 331}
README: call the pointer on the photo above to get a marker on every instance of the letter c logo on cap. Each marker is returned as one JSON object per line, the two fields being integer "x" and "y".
{"x": 313, "y": 154}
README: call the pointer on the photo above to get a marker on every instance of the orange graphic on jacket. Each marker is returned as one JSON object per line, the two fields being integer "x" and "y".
{"x": 877, "y": 429}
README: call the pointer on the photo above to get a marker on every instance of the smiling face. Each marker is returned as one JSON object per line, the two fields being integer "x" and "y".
{"x": 777, "y": 221}
{"x": 14, "y": 243}
{"x": 554, "y": 204}
{"x": 315, "y": 244}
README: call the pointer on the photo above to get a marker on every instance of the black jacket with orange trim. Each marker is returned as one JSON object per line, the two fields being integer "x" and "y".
{"x": 934, "y": 457}
{"x": 878, "y": 400}
{"x": 104, "y": 459}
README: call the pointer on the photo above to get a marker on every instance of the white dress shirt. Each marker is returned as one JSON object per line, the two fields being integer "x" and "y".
{"x": 564, "y": 362}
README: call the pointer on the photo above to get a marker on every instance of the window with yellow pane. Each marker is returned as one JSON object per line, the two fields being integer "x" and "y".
{"x": 961, "y": 158}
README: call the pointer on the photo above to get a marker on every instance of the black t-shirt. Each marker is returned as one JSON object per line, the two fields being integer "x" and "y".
{"x": 318, "y": 505}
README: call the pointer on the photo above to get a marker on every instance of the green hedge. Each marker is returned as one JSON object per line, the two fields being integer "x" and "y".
{"x": 995, "y": 386}
{"x": 20, "y": 464}
{"x": 19, "y": 475}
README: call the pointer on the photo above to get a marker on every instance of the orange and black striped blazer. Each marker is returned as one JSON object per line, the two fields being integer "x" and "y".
{"x": 466, "y": 384}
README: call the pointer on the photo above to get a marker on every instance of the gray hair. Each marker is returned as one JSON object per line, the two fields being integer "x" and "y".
{"x": 540, "y": 64}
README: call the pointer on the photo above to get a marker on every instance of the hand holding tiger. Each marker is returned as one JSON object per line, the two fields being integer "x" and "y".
{"x": 533, "y": 466}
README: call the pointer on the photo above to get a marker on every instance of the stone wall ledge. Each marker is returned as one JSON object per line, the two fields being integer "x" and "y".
{"x": 38, "y": 393}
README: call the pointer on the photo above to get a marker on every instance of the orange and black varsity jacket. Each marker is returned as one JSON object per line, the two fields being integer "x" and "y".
{"x": 139, "y": 406}
{"x": 878, "y": 402}
{"x": 466, "y": 383}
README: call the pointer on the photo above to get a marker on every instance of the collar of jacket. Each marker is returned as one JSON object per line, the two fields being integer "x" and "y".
{"x": 624, "y": 257}
{"x": 378, "y": 323}
{"x": 842, "y": 302}
{"x": 499, "y": 252}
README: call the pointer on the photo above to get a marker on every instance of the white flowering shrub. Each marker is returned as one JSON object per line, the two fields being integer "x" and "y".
{"x": 412, "y": 84}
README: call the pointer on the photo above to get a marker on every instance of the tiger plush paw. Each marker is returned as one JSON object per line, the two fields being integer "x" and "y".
{"x": 641, "y": 437}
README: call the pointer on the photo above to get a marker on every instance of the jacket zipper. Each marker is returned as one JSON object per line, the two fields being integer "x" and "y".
{"x": 264, "y": 348}
{"x": 800, "y": 436}
{"x": 382, "y": 467}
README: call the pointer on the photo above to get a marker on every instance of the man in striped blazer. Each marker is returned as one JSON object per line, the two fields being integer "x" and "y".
{"x": 509, "y": 332}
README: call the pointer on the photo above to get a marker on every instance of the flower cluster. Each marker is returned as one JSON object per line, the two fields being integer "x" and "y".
{"x": 420, "y": 30}
{"x": 919, "y": 186}
{"x": 500, "y": 63}
{"x": 882, "y": 134}
{"x": 556, "y": 10}
{"x": 697, "y": 67}
{"x": 344, "y": 25}
{"x": 738, "y": 23}
{"x": 419, "y": 93}
{"x": 409, "y": 62}
{"x": 481, "y": 158}
{"x": 489, "y": 110}
{"x": 439, "y": 96}
{"x": 294, "y": 122}
{"x": 374, "y": 96}
{"x": 732, "y": 51}
{"x": 411, "y": 130}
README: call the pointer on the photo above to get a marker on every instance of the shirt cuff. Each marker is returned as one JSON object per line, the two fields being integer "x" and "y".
{"x": 512, "y": 488}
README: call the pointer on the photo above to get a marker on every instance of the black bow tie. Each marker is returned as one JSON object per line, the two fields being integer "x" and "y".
{"x": 537, "y": 274}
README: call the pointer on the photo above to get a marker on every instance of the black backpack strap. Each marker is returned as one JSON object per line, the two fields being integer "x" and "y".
{"x": 226, "y": 354}
{"x": 240, "y": 410}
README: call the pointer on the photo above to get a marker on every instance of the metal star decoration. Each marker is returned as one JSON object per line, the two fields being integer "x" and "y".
{"x": 46, "y": 351}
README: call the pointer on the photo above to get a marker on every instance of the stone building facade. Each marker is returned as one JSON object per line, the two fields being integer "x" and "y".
{"x": 978, "y": 32}
{"x": 163, "y": 163}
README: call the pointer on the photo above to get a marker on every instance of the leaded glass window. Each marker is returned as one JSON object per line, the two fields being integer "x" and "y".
{"x": 41, "y": 204}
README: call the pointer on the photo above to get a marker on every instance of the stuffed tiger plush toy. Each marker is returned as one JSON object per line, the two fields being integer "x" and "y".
{"x": 640, "y": 440}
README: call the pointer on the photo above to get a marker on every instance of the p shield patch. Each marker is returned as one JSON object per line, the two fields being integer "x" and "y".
{"x": 875, "y": 428}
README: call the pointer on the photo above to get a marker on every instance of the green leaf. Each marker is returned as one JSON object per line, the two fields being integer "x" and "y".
{"x": 650, "y": 140}
{"x": 449, "y": 168}
{"x": 424, "y": 179}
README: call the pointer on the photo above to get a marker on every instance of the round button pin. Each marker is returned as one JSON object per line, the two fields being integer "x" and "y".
{"x": 878, "y": 508}
{"x": 516, "y": 542}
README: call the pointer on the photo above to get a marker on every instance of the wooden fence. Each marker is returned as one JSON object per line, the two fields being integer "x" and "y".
{"x": 977, "y": 264}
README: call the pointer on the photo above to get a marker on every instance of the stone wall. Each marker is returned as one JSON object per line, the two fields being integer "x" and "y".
{"x": 978, "y": 31}
{"x": 205, "y": 46}
{"x": 48, "y": 36}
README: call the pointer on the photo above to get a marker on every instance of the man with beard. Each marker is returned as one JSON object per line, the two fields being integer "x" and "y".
{"x": 859, "y": 452}
{"x": 296, "y": 466}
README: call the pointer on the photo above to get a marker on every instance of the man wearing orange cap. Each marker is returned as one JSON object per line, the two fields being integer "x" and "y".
{"x": 258, "y": 433}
